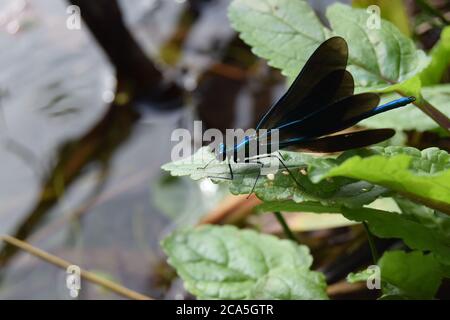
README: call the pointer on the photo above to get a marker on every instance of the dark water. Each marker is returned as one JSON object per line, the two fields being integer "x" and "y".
{"x": 55, "y": 85}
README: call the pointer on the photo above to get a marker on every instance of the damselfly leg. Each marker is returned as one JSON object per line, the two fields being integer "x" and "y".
{"x": 230, "y": 178}
{"x": 281, "y": 159}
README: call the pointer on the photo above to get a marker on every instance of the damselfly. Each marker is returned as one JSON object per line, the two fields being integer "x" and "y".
{"x": 320, "y": 102}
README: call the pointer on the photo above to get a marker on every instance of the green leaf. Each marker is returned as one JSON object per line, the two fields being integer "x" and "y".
{"x": 401, "y": 169}
{"x": 385, "y": 224}
{"x": 288, "y": 283}
{"x": 411, "y": 117}
{"x": 228, "y": 263}
{"x": 360, "y": 276}
{"x": 421, "y": 175}
{"x": 283, "y": 186}
{"x": 414, "y": 274}
{"x": 326, "y": 191}
{"x": 440, "y": 60}
{"x": 287, "y": 32}
{"x": 409, "y": 87}
{"x": 378, "y": 58}
{"x": 437, "y": 222}
{"x": 419, "y": 227}
{"x": 192, "y": 166}
{"x": 284, "y": 32}
{"x": 424, "y": 178}
{"x": 317, "y": 207}
{"x": 291, "y": 206}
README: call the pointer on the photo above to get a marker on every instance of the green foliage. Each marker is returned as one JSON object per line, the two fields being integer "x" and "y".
{"x": 284, "y": 32}
{"x": 385, "y": 224}
{"x": 407, "y": 225}
{"x": 402, "y": 171}
{"x": 282, "y": 187}
{"x": 291, "y": 206}
{"x": 287, "y": 32}
{"x": 425, "y": 180}
{"x": 420, "y": 175}
{"x": 325, "y": 185}
{"x": 359, "y": 276}
{"x": 414, "y": 275}
{"x": 440, "y": 60}
{"x": 228, "y": 263}
{"x": 437, "y": 222}
{"x": 378, "y": 58}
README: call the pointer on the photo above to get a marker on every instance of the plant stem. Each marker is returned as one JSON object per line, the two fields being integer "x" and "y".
{"x": 115, "y": 287}
{"x": 441, "y": 119}
{"x": 371, "y": 239}
{"x": 284, "y": 225}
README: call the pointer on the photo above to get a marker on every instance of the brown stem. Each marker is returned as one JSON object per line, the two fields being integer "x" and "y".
{"x": 435, "y": 114}
{"x": 89, "y": 276}
{"x": 441, "y": 119}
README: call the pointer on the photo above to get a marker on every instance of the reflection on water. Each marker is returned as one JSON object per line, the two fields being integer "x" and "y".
{"x": 52, "y": 96}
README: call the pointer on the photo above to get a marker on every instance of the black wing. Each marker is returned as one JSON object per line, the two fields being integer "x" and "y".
{"x": 322, "y": 81}
{"x": 332, "y": 118}
{"x": 341, "y": 142}
{"x": 332, "y": 88}
{"x": 321, "y": 102}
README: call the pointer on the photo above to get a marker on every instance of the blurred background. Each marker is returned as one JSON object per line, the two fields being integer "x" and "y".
{"x": 86, "y": 118}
